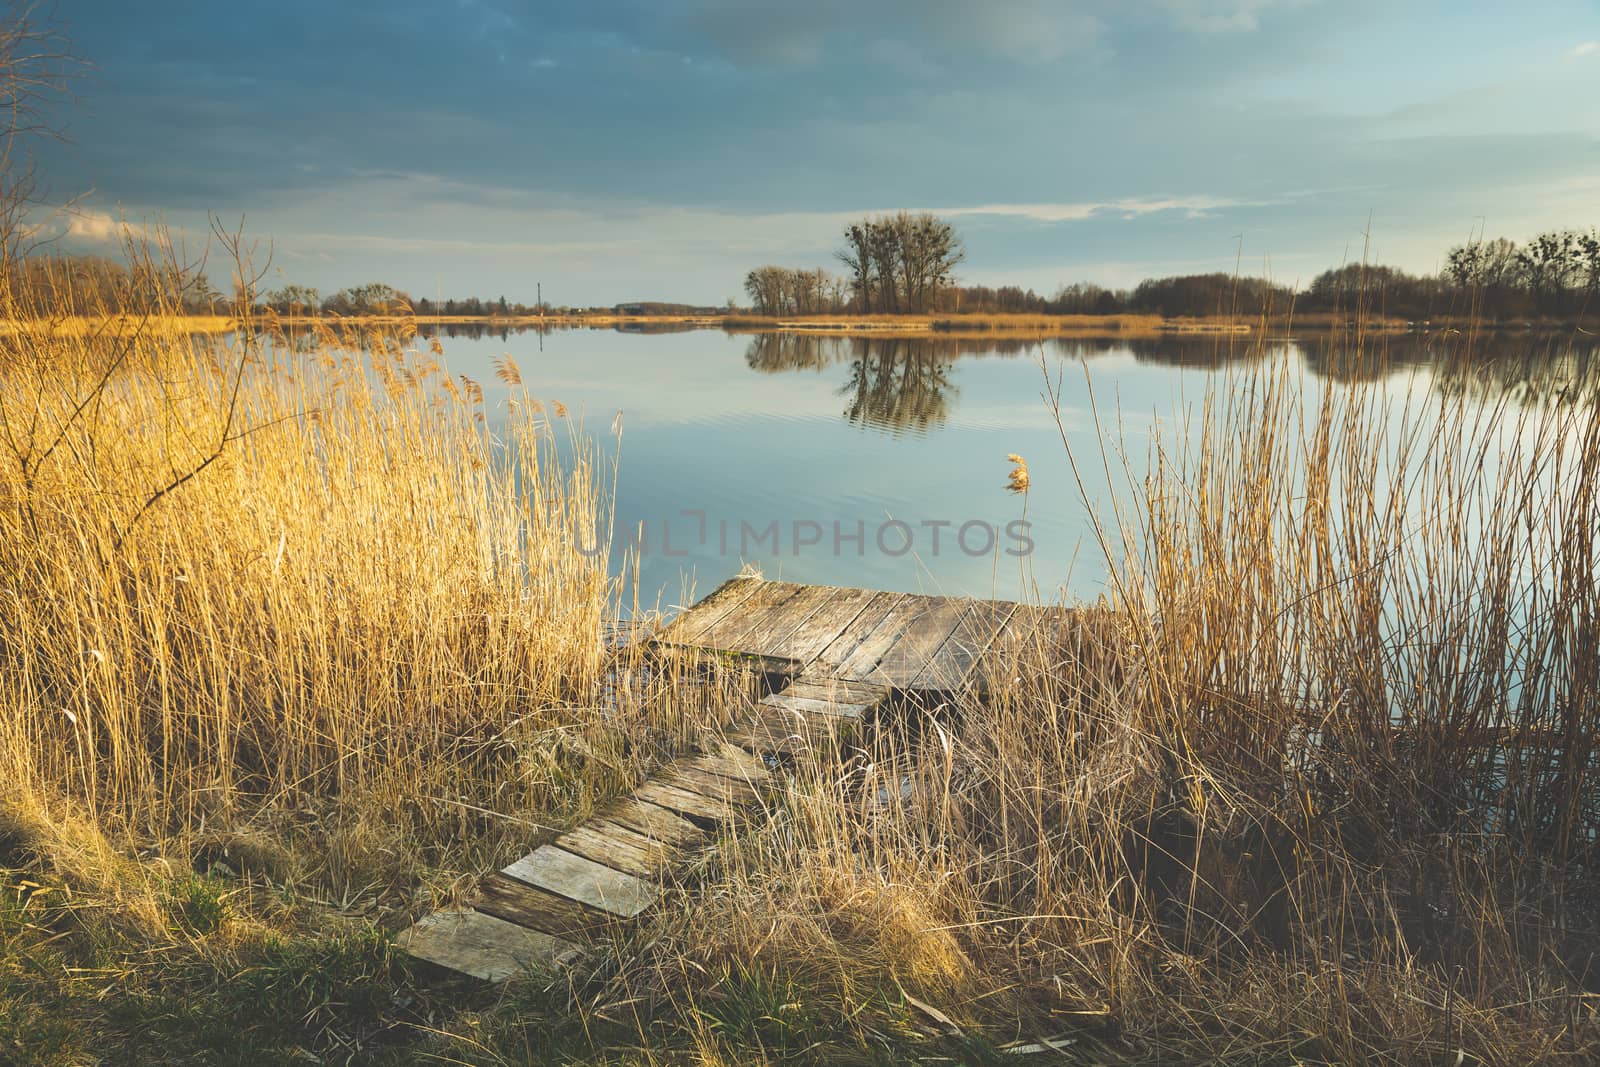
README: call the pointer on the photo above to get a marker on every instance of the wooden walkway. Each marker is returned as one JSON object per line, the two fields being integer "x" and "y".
{"x": 837, "y": 654}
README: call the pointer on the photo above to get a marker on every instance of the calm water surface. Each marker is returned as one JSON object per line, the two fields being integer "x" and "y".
{"x": 881, "y": 462}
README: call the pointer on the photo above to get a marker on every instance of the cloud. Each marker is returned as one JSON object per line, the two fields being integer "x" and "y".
{"x": 1221, "y": 16}
{"x": 83, "y": 225}
{"x": 1193, "y": 206}
{"x": 1024, "y": 31}
{"x": 1587, "y": 48}
{"x": 98, "y": 227}
{"x": 85, "y": 229}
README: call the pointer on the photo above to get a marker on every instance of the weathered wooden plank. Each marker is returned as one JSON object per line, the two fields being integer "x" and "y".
{"x": 572, "y": 876}
{"x": 523, "y": 904}
{"x": 757, "y": 781}
{"x": 911, "y": 653}
{"x": 714, "y": 786}
{"x": 1030, "y": 622}
{"x": 697, "y": 618}
{"x": 861, "y": 664}
{"x": 1023, "y": 630}
{"x": 731, "y": 762}
{"x": 835, "y": 689}
{"x": 813, "y": 706}
{"x": 810, "y": 636}
{"x": 484, "y": 946}
{"x": 723, "y": 634}
{"x": 616, "y": 846}
{"x": 952, "y": 663}
{"x": 687, "y": 803}
{"x": 767, "y": 630}
{"x": 655, "y": 822}
{"x": 778, "y": 732}
{"x": 845, "y": 644}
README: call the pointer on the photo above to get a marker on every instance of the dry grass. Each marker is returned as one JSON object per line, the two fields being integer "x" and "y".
{"x": 238, "y": 575}
{"x": 91, "y": 329}
{"x": 1315, "y": 782}
{"x": 297, "y": 640}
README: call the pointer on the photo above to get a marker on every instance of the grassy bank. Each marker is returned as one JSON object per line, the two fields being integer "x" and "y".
{"x": 294, "y": 647}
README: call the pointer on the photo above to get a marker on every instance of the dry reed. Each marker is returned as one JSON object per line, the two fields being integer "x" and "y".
{"x": 1314, "y": 782}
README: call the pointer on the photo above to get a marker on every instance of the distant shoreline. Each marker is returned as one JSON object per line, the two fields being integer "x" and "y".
{"x": 996, "y": 326}
{"x": 1001, "y": 326}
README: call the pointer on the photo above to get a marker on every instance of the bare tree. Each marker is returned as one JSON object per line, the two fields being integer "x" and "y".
{"x": 883, "y": 245}
{"x": 36, "y": 67}
{"x": 786, "y": 291}
{"x": 901, "y": 263}
{"x": 1550, "y": 265}
{"x": 1490, "y": 265}
{"x": 857, "y": 256}
{"x": 765, "y": 287}
{"x": 1589, "y": 253}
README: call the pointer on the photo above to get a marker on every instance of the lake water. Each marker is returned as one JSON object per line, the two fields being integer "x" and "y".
{"x": 882, "y": 462}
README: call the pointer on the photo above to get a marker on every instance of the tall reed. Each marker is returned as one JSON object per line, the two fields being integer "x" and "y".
{"x": 242, "y": 573}
{"x": 1315, "y": 780}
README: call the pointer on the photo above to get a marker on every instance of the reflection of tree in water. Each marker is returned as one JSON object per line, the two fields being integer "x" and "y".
{"x": 896, "y": 383}
{"x": 899, "y": 385}
{"x": 777, "y": 353}
{"x": 302, "y": 339}
{"x": 1524, "y": 368}
{"x": 1206, "y": 351}
{"x": 1530, "y": 368}
{"x": 1536, "y": 376}
{"x": 476, "y": 331}
{"x": 774, "y": 353}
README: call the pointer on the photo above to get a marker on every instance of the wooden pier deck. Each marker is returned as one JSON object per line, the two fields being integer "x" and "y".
{"x": 836, "y": 654}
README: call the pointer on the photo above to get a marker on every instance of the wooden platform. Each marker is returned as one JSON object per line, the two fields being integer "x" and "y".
{"x": 839, "y": 655}
{"x": 825, "y": 635}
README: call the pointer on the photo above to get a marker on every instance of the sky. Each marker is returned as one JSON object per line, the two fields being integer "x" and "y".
{"x": 619, "y": 150}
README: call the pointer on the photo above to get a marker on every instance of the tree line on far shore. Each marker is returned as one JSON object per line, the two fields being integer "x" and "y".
{"x": 85, "y": 285}
{"x": 904, "y": 264}
{"x": 377, "y": 298}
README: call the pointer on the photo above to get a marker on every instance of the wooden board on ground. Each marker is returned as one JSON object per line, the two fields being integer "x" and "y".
{"x": 845, "y": 653}
{"x": 566, "y": 874}
{"x": 835, "y": 690}
{"x": 731, "y": 762}
{"x": 691, "y": 805}
{"x": 732, "y": 791}
{"x": 520, "y": 903}
{"x": 616, "y": 846}
{"x": 484, "y": 946}
{"x": 778, "y": 732}
{"x": 1025, "y": 632}
{"x": 812, "y": 706}
{"x": 655, "y": 822}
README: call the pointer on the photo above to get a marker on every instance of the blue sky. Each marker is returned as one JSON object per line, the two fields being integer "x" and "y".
{"x": 634, "y": 149}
